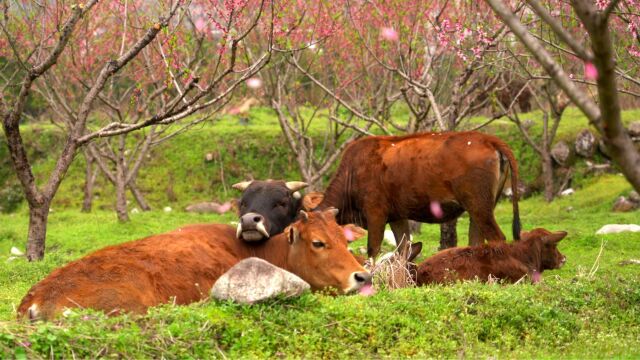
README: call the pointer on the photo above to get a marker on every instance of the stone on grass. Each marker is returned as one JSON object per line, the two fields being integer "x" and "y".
{"x": 618, "y": 228}
{"x": 623, "y": 204}
{"x": 586, "y": 144}
{"x": 634, "y": 197}
{"x": 560, "y": 152}
{"x": 253, "y": 280}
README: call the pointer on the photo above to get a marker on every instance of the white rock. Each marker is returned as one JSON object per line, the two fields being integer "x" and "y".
{"x": 167, "y": 209}
{"x": 15, "y": 251}
{"x": 618, "y": 228}
{"x": 567, "y": 192}
{"x": 135, "y": 210}
{"x": 253, "y": 280}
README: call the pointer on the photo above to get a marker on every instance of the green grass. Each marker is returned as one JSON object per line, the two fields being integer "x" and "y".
{"x": 579, "y": 311}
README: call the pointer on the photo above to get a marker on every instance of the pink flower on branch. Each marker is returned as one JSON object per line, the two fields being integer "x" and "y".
{"x": 389, "y": 34}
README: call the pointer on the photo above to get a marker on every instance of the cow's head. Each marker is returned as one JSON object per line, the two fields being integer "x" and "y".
{"x": 319, "y": 253}
{"x": 550, "y": 257}
{"x": 267, "y": 207}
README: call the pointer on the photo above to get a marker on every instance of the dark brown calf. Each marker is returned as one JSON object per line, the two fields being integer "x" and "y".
{"x": 536, "y": 252}
{"x": 182, "y": 266}
{"x": 428, "y": 177}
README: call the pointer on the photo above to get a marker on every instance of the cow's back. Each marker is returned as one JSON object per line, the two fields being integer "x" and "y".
{"x": 495, "y": 259}
{"x": 135, "y": 275}
{"x": 407, "y": 173}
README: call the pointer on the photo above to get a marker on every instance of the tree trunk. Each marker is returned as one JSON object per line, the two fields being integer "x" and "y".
{"x": 121, "y": 194}
{"x": 448, "y": 235}
{"x": 89, "y": 181}
{"x": 137, "y": 194}
{"x": 547, "y": 176}
{"x": 37, "y": 231}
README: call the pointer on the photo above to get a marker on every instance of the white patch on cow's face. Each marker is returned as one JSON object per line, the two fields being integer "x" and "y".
{"x": 33, "y": 312}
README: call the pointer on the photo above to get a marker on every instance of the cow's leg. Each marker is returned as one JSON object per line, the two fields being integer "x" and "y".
{"x": 485, "y": 226}
{"x": 475, "y": 236}
{"x": 375, "y": 227}
{"x": 448, "y": 234}
{"x": 402, "y": 234}
{"x": 476, "y": 193}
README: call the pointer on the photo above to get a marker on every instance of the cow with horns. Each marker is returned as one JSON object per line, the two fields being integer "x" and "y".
{"x": 267, "y": 207}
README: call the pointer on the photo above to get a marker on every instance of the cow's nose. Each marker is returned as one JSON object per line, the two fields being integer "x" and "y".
{"x": 362, "y": 277}
{"x": 251, "y": 219}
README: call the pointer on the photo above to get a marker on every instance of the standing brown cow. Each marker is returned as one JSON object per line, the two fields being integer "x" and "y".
{"x": 182, "y": 266}
{"x": 427, "y": 177}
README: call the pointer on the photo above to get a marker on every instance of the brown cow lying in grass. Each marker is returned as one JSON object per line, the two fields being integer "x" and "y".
{"x": 536, "y": 252}
{"x": 181, "y": 267}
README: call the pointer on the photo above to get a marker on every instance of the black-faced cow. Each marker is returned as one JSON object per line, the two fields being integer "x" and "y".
{"x": 266, "y": 208}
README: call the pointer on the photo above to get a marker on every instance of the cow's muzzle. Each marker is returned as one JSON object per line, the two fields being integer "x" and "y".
{"x": 252, "y": 227}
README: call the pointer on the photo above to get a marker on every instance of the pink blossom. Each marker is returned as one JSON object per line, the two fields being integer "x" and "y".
{"x": 254, "y": 83}
{"x": 201, "y": 25}
{"x": 590, "y": 71}
{"x": 389, "y": 34}
{"x": 601, "y": 4}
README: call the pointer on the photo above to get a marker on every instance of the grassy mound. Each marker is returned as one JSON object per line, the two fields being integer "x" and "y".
{"x": 587, "y": 309}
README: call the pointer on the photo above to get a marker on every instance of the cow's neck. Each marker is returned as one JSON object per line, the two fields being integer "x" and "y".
{"x": 274, "y": 250}
{"x": 529, "y": 252}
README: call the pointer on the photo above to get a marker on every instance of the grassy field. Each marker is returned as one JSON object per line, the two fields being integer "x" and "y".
{"x": 588, "y": 309}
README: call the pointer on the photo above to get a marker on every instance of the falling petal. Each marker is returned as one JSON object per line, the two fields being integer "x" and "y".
{"x": 590, "y": 71}
{"x": 254, "y": 83}
{"x": 349, "y": 235}
{"x": 389, "y": 34}
{"x": 201, "y": 25}
{"x": 436, "y": 209}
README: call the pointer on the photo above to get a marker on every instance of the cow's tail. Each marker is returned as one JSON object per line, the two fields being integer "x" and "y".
{"x": 504, "y": 149}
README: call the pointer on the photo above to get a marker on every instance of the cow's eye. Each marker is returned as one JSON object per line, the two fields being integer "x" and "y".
{"x": 318, "y": 244}
{"x": 280, "y": 204}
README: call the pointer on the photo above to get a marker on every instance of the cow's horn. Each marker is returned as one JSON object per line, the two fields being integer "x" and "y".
{"x": 242, "y": 186}
{"x": 305, "y": 216}
{"x": 294, "y": 186}
{"x": 333, "y": 211}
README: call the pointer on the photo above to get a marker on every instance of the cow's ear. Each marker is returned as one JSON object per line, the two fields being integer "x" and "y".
{"x": 554, "y": 237}
{"x": 304, "y": 216}
{"x": 242, "y": 186}
{"x": 311, "y": 200}
{"x": 353, "y": 232}
{"x": 292, "y": 234}
{"x": 416, "y": 248}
